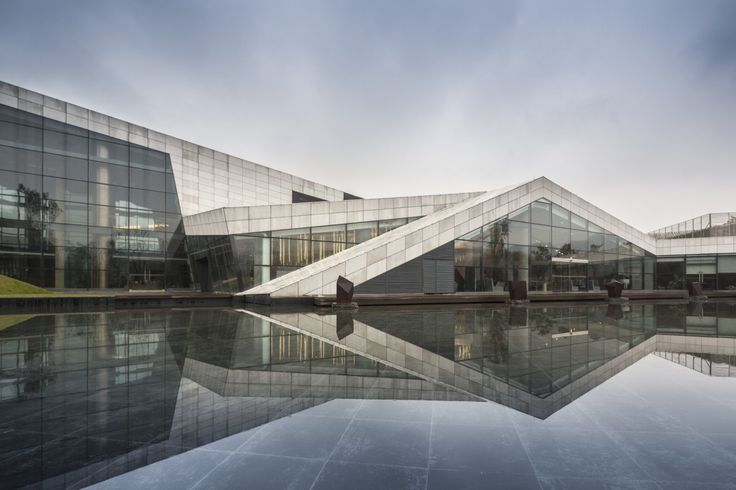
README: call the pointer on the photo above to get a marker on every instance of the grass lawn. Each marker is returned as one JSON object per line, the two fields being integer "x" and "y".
{"x": 14, "y": 287}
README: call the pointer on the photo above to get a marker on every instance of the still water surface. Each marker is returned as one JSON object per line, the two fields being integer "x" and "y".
{"x": 632, "y": 396}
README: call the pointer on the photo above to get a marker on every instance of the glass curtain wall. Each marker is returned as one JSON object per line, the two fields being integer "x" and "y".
{"x": 82, "y": 210}
{"x": 714, "y": 271}
{"x": 240, "y": 262}
{"x": 550, "y": 248}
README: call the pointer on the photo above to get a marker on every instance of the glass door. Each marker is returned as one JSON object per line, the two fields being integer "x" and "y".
{"x": 569, "y": 275}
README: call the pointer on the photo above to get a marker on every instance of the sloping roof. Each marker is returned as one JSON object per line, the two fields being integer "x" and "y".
{"x": 374, "y": 257}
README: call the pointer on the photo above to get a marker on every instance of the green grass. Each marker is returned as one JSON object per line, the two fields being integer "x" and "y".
{"x": 14, "y": 287}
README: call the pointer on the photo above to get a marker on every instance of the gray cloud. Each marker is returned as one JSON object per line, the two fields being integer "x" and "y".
{"x": 630, "y": 104}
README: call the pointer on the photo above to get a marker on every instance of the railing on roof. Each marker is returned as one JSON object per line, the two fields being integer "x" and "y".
{"x": 707, "y": 225}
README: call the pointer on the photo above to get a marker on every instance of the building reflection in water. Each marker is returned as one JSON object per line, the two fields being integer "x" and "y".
{"x": 84, "y": 397}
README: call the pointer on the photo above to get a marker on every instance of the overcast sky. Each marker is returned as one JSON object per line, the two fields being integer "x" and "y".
{"x": 630, "y": 104}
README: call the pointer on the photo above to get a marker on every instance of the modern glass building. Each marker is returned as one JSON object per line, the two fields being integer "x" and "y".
{"x": 88, "y": 201}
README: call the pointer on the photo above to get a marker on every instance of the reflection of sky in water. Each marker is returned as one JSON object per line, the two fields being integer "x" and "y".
{"x": 654, "y": 425}
{"x": 233, "y": 396}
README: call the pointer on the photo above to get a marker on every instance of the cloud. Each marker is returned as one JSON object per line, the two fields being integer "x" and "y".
{"x": 630, "y": 104}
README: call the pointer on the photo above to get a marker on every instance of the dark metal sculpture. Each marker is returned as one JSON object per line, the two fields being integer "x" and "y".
{"x": 518, "y": 291}
{"x": 518, "y": 316}
{"x": 344, "y": 324}
{"x": 345, "y": 290}
{"x": 344, "y": 296}
{"x": 614, "y": 288}
{"x": 615, "y": 312}
{"x": 695, "y": 289}
{"x": 695, "y": 308}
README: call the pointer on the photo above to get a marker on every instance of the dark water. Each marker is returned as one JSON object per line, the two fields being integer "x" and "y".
{"x": 602, "y": 396}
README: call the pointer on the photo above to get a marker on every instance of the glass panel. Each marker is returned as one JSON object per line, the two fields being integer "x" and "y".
{"x": 521, "y": 214}
{"x": 70, "y": 213}
{"x": 474, "y": 235}
{"x": 107, "y": 173}
{"x": 332, "y": 233}
{"x": 496, "y": 232}
{"x": 108, "y": 195}
{"x": 19, "y": 160}
{"x": 107, "y": 151}
{"x": 65, "y": 190}
{"x": 541, "y": 213}
{"x": 143, "y": 219}
{"x": 595, "y": 228}
{"x": 385, "y": 226}
{"x": 494, "y": 266}
{"x": 66, "y": 235}
{"x": 698, "y": 265}
{"x": 147, "y": 159}
{"x": 146, "y": 179}
{"x": 468, "y": 279}
{"x": 361, "y": 232}
{"x": 64, "y": 167}
{"x": 140, "y": 198}
{"x": 320, "y": 250}
{"x": 252, "y": 250}
{"x": 147, "y": 241}
{"x": 108, "y": 238}
{"x": 624, "y": 247}
{"x": 561, "y": 242}
{"x": 11, "y": 183}
{"x": 298, "y": 233}
{"x": 20, "y": 136}
{"x": 596, "y": 241}
{"x": 170, "y": 184}
{"x": 579, "y": 243}
{"x": 467, "y": 253}
{"x": 541, "y": 236}
{"x": 172, "y": 204}
{"x": 539, "y": 268}
{"x": 560, "y": 216}
{"x": 518, "y": 257}
{"x": 288, "y": 252}
{"x": 518, "y": 233}
{"x": 8, "y": 114}
{"x": 107, "y": 216}
{"x": 610, "y": 244}
{"x": 65, "y": 144}
{"x": 726, "y": 263}
{"x": 577, "y": 222}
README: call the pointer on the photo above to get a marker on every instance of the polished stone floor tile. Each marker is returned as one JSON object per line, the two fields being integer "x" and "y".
{"x": 258, "y": 472}
{"x": 339, "y": 476}
{"x": 596, "y": 484}
{"x": 333, "y": 408}
{"x": 303, "y": 437}
{"x": 231, "y": 443}
{"x": 384, "y": 442}
{"x": 481, "y": 414}
{"x": 175, "y": 473}
{"x": 581, "y": 454}
{"x": 671, "y": 457}
{"x": 465, "y": 447}
{"x": 397, "y": 410}
{"x": 479, "y": 480}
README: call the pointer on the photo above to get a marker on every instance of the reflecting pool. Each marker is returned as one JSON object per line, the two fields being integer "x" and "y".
{"x": 561, "y": 396}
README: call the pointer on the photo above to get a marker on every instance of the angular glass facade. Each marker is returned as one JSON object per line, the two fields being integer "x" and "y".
{"x": 550, "y": 248}
{"x": 82, "y": 210}
{"x": 239, "y": 262}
